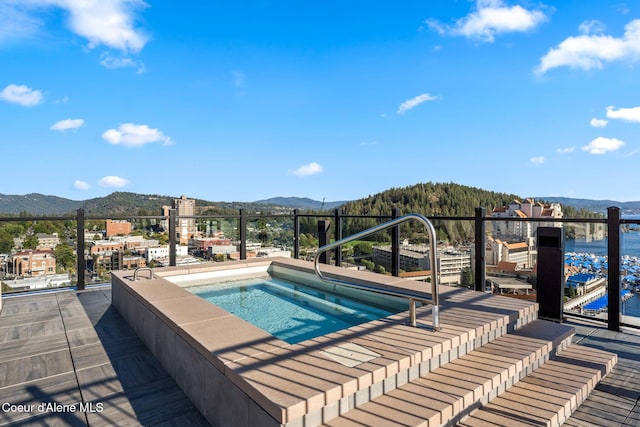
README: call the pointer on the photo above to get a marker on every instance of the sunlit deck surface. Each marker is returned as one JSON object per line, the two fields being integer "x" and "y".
{"x": 72, "y": 349}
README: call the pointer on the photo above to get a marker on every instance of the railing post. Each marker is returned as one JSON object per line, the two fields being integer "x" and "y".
{"x": 337, "y": 232}
{"x": 296, "y": 234}
{"x": 480, "y": 246}
{"x": 243, "y": 234}
{"x": 395, "y": 244}
{"x": 613, "y": 280}
{"x": 173, "y": 222}
{"x": 81, "y": 263}
{"x": 323, "y": 238}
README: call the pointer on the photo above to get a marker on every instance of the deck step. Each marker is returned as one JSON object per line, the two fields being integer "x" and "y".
{"x": 452, "y": 391}
{"x": 549, "y": 395}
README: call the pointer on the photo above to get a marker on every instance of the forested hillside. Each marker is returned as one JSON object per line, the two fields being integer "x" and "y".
{"x": 437, "y": 200}
{"x": 431, "y": 199}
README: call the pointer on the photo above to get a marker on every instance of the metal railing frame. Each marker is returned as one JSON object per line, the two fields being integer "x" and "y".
{"x": 613, "y": 221}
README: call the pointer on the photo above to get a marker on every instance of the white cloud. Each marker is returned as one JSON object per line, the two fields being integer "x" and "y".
{"x": 21, "y": 95}
{"x": 307, "y": 170}
{"x": 113, "y": 181}
{"x": 491, "y": 17}
{"x": 414, "y": 102}
{"x": 592, "y": 51}
{"x": 132, "y": 135}
{"x": 602, "y": 145}
{"x": 598, "y": 123}
{"x": 538, "y": 160}
{"x": 81, "y": 185}
{"x": 113, "y": 62}
{"x": 108, "y": 23}
{"x": 626, "y": 114}
{"x": 566, "y": 150}
{"x": 592, "y": 27}
{"x": 67, "y": 124}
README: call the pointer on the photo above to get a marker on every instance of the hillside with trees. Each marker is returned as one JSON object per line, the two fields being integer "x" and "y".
{"x": 437, "y": 200}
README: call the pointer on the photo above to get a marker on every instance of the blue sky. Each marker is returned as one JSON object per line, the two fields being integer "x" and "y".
{"x": 241, "y": 101}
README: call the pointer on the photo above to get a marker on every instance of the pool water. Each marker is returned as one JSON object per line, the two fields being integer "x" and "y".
{"x": 295, "y": 312}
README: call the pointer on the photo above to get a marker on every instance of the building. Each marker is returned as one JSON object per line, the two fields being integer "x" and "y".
{"x": 451, "y": 266}
{"x": 161, "y": 253}
{"x": 523, "y": 253}
{"x": 118, "y": 227}
{"x": 185, "y": 227}
{"x": 33, "y": 263}
{"x": 451, "y": 263}
{"x": 412, "y": 257}
{"x": 521, "y": 229}
{"x": 47, "y": 242}
{"x": 104, "y": 246}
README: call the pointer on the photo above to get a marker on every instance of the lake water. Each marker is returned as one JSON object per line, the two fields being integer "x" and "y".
{"x": 630, "y": 245}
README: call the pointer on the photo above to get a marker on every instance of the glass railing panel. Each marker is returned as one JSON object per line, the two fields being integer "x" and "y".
{"x": 37, "y": 254}
{"x": 630, "y": 270}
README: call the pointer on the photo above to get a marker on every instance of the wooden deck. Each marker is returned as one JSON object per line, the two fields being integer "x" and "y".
{"x": 68, "y": 358}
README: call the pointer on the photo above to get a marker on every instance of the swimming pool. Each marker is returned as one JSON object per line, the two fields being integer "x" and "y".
{"x": 295, "y": 312}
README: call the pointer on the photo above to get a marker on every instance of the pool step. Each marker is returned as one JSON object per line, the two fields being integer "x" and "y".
{"x": 451, "y": 392}
{"x": 550, "y": 394}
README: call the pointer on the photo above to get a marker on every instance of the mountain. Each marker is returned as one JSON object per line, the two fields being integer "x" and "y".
{"x": 124, "y": 203}
{"x": 37, "y": 204}
{"x": 300, "y": 203}
{"x": 627, "y": 208}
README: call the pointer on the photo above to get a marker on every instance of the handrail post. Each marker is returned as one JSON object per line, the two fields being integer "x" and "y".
{"x": 613, "y": 279}
{"x": 323, "y": 238}
{"x": 173, "y": 222}
{"x": 337, "y": 232}
{"x": 395, "y": 244}
{"x": 243, "y": 234}
{"x": 296, "y": 234}
{"x": 81, "y": 263}
{"x": 480, "y": 247}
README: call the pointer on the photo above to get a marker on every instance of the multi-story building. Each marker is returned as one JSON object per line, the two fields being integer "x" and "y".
{"x": 523, "y": 253}
{"x": 186, "y": 227}
{"x": 521, "y": 229}
{"x": 451, "y": 266}
{"x": 161, "y": 253}
{"x": 47, "y": 242}
{"x": 118, "y": 227}
{"x": 412, "y": 258}
{"x": 33, "y": 263}
{"x": 451, "y": 263}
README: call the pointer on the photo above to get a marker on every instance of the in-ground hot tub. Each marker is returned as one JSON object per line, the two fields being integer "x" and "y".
{"x": 295, "y": 308}
{"x": 239, "y": 374}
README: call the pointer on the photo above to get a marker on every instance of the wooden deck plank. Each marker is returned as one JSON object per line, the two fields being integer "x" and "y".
{"x": 73, "y": 348}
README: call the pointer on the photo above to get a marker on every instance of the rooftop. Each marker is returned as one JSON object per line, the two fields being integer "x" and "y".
{"x": 71, "y": 348}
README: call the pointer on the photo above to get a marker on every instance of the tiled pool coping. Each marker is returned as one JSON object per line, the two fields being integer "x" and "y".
{"x": 237, "y": 374}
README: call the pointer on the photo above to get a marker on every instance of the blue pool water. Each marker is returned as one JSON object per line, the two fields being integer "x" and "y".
{"x": 294, "y": 312}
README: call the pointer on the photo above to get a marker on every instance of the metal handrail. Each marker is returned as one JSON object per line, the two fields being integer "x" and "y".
{"x": 137, "y": 270}
{"x": 411, "y": 296}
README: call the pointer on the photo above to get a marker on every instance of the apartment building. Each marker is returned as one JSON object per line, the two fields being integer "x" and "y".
{"x": 186, "y": 228}
{"x": 521, "y": 230}
{"x": 33, "y": 263}
{"x": 523, "y": 253}
{"x": 47, "y": 242}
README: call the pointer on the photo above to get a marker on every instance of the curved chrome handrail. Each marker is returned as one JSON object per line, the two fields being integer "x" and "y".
{"x": 137, "y": 270}
{"x": 412, "y": 297}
